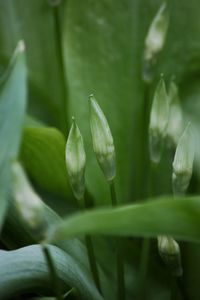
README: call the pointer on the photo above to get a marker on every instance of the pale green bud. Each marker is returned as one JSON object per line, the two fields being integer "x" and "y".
{"x": 28, "y": 203}
{"x": 102, "y": 140}
{"x": 183, "y": 162}
{"x": 154, "y": 41}
{"x": 170, "y": 253}
{"x": 158, "y": 121}
{"x": 175, "y": 123}
{"x": 76, "y": 160}
{"x": 156, "y": 35}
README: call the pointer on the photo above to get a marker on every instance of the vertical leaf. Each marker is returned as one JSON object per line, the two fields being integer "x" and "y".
{"x": 12, "y": 109}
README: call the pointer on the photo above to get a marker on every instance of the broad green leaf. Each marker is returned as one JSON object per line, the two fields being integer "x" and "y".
{"x": 43, "y": 155}
{"x": 12, "y": 109}
{"x": 16, "y": 234}
{"x": 178, "y": 217}
{"x": 103, "y": 43}
{"x": 100, "y": 45}
{"x": 25, "y": 270}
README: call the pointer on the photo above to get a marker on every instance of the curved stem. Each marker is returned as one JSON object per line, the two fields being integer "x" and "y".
{"x": 52, "y": 271}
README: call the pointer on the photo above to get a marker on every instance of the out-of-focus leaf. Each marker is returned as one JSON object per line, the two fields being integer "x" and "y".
{"x": 43, "y": 155}
{"x": 25, "y": 270}
{"x": 12, "y": 109}
{"x": 103, "y": 42}
{"x": 15, "y": 234}
{"x": 8, "y": 32}
{"x": 38, "y": 27}
{"x": 101, "y": 57}
{"x": 176, "y": 217}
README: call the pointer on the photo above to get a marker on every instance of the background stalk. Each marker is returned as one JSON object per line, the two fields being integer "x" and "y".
{"x": 120, "y": 263}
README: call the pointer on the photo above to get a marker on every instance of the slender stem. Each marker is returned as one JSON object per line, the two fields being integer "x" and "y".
{"x": 92, "y": 260}
{"x": 52, "y": 271}
{"x": 58, "y": 33}
{"x": 91, "y": 253}
{"x": 113, "y": 193}
{"x": 146, "y": 244}
{"x": 144, "y": 260}
{"x": 120, "y": 263}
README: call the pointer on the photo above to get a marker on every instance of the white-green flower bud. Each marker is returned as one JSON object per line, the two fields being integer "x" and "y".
{"x": 76, "y": 161}
{"x": 102, "y": 140}
{"x": 158, "y": 121}
{"x": 156, "y": 35}
{"x": 28, "y": 203}
{"x": 183, "y": 162}
{"x": 175, "y": 123}
{"x": 154, "y": 41}
{"x": 170, "y": 253}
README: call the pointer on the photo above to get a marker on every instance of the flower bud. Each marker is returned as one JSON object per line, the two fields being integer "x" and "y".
{"x": 175, "y": 123}
{"x": 170, "y": 253}
{"x": 28, "y": 203}
{"x": 155, "y": 40}
{"x": 158, "y": 121}
{"x": 156, "y": 35}
{"x": 75, "y": 161}
{"x": 102, "y": 140}
{"x": 183, "y": 162}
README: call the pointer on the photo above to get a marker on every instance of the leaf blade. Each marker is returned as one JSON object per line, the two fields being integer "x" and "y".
{"x": 177, "y": 217}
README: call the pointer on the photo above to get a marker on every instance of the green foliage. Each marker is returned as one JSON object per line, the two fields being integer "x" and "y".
{"x": 73, "y": 49}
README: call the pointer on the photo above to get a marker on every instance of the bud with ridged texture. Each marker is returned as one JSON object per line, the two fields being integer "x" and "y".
{"x": 158, "y": 122}
{"x": 183, "y": 162}
{"x": 170, "y": 253}
{"x": 175, "y": 123}
{"x": 76, "y": 161}
{"x": 155, "y": 40}
{"x": 28, "y": 203}
{"x": 102, "y": 140}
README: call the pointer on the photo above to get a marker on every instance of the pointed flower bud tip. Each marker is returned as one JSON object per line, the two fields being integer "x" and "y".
{"x": 156, "y": 35}
{"x": 170, "y": 253}
{"x": 103, "y": 144}
{"x": 76, "y": 160}
{"x": 28, "y": 203}
{"x": 183, "y": 162}
{"x": 158, "y": 121}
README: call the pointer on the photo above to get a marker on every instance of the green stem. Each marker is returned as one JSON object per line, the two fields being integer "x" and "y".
{"x": 120, "y": 264}
{"x": 92, "y": 261}
{"x": 52, "y": 271}
{"x": 58, "y": 34}
{"x": 91, "y": 254}
{"x": 144, "y": 260}
{"x": 146, "y": 244}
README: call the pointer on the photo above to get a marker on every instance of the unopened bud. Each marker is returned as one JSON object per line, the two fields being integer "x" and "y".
{"x": 183, "y": 162}
{"x": 75, "y": 161}
{"x": 102, "y": 140}
{"x": 175, "y": 123}
{"x": 28, "y": 203}
{"x": 170, "y": 253}
{"x": 155, "y": 40}
{"x": 158, "y": 121}
{"x": 156, "y": 35}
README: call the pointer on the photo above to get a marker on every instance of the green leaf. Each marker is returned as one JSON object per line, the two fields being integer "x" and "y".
{"x": 178, "y": 217}
{"x": 12, "y": 110}
{"x": 25, "y": 270}
{"x": 43, "y": 155}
